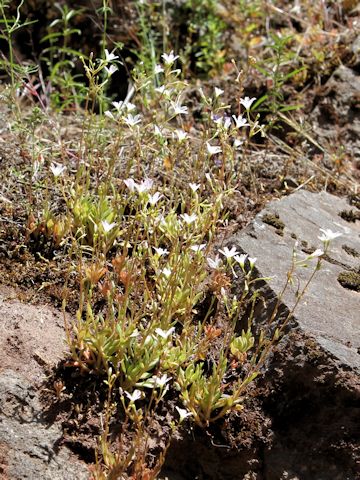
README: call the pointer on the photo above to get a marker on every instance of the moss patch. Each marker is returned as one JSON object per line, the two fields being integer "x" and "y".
{"x": 274, "y": 220}
{"x": 350, "y": 215}
{"x": 350, "y": 251}
{"x": 350, "y": 280}
{"x": 354, "y": 200}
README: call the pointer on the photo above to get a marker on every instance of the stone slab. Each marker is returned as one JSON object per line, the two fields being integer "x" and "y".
{"x": 328, "y": 312}
{"x": 34, "y": 449}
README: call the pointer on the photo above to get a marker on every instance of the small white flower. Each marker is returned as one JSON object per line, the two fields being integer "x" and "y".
{"x": 181, "y": 135}
{"x": 194, "y": 186}
{"x": 118, "y": 105}
{"x": 202, "y": 94}
{"x": 144, "y": 186}
{"x": 188, "y": 219}
{"x": 158, "y": 69}
{"x": 241, "y": 259}
{"x": 238, "y": 143}
{"x": 217, "y": 119}
{"x": 164, "y": 334}
{"x": 109, "y": 115}
{"x": 57, "y": 169}
{"x": 157, "y": 131}
{"x": 112, "y": 69}
{"x": 109, "y": 57}
{"x": 218, "y": 92}
{"x": 198, "y": 248}
{"x": 179, "y": 109}
{"x": 247, "y": 102}
{"x": 161, "y": 89}
{"x": 214, "y": 263}
{"x": 212, "y": 150}
{"x": 183, "y": 413}
{"x": 170, "y": 58}
{"x": 240, "y": 121}
{"x": 161, "y": 251}
{"x": 130, "y": 107}
{"x": 227, "y": 122}
{"x": 224, "y": 122}
{"x": 132, "y": 120}
{"x": 229, "y": 253}
{"x": 136, "y": 395}
{"x": 328, "y": 235}
{"x": 318, "y": 253}
{"x": 107, "y": 226}
{"x": 252, "y": 261}
{"x": 130, "y": 183}
{"x": 166, "y": 271}
{"x": 153, "y": 199}
{"x": 162, "y": 381}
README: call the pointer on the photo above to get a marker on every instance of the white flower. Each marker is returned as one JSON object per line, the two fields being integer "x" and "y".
{"x": 57, "y": 169}
{"x": 238, "y": 143}
{"x": 179, "y": 109}
{"x": 158, "y": 69}
{"x": 328, "y": 235}
{"x": 218, "y": 92}
{"x": 181, "y": 135}
{"x": 194, "y": 186}
{"x": 240, "y": 121}
{"x": 170, "y": 58}
{"x": 166, "y": 271}
{"x": 109, "y": 115}
{"x": 112, "y": 69}
{"x": 183, "y": 413}
{"x": 247, "y": 102}
{"x": 227, "y": 122}
{"x": 217, "y": 119}
{"x": 118, "y": 105}
{"x": 208, "y": 177}
{"x": 130, "y": 107}
{"x": 160, "y": 382}
{"x": 188, "y": 219}
{"x": 201, "y": 91}
{"x": 107, "y": 226}
{"x": 161, "y": 251}
{"x": 109, "y": 57}
{"x": 164, "y": 334}
{"x": 153, "y": 199}
{"x": 241, "y": 259}
{"x": 132, "y": 120}
{"x": 157, "y": 131}
{"x": 198, "y": 248}
{"x": 136, "y": 395}
{"x": 318, "y": 253}
{"x": 214, "y": 263}
{"x": 144, "y": 186}
{"x": 161, "y": 89}
{"x": 130, "y": 183}
{"x": 252, "y": 261}
{"x": 229, "y": 253}
{"x": 212, "y": 150}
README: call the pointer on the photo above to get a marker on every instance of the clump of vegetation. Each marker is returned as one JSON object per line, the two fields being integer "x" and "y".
{"x": 350, "y": 280}
{"x": 132, "y": 197}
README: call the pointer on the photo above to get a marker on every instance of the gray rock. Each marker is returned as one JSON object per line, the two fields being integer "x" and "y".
{"x": 338, "y": 108}
{"x": 33, "y": 449}
{"x": 328, "y": 312}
